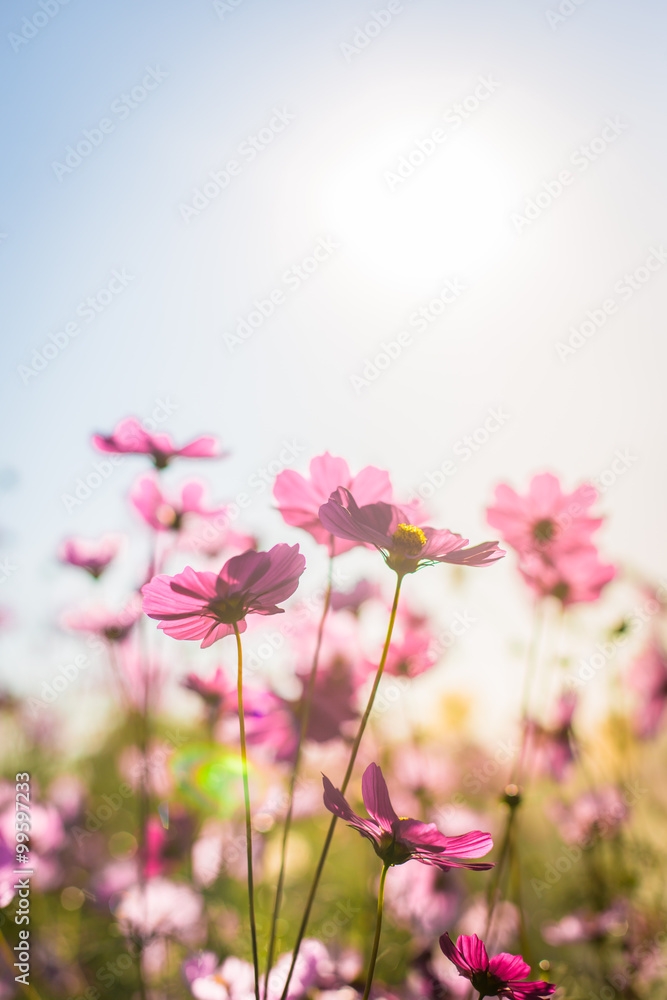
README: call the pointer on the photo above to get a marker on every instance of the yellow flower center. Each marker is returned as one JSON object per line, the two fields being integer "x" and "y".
{"x": 409, "y": 539}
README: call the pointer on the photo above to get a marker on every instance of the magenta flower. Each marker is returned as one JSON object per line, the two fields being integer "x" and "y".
{"x": 405, "y": 547}
{"x": 168, "y": 513}
{"x": 207, "y": 606}
{"x": 299, "y": 498}
{"x": 94, "y": 557}
{"x": 501, "y": 976}
{"x": 129, "y": 437}
{"x": 545, "y": 519}
{"x": 397, "y": 840}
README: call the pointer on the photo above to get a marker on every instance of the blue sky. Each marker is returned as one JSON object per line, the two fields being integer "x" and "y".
{"x": 332, "y": 99}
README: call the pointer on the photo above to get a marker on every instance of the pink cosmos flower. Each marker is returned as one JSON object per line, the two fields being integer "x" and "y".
{"x": 411, "y": 650}
{"x": 648, "y": 677}
{"x": 352, "y": 600}
{"x": 161, "y": 908}
{"x": 545, "y": 519}
{"x": 299, "y": 498}
{"x": 573, "y": 577}
{"x": 397, "y": 840}
{"x": 598, "y": 813}
{"x": 214, "y": 690}
{"x": 113, "y": 626}
{"x": 207, "y": 606}
{"x": 501, "y": 976}
{"x": 586, "y": 926}
{"x": 94, "y": 557}
{"x": 404, "y": 546}
{"x": 129, "y": 437}
{"x": 167, "y": 513}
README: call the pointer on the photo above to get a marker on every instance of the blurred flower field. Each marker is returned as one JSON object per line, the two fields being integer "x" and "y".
{"x": 230, "y": 835}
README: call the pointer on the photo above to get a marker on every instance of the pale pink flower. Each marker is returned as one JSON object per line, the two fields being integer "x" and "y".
{"x": 170, "y": 513}
{"x": 593, "y": 814}
{"x": 113, "y": 626}
{"x": 129, "y": 437}
{"x": 299, "y": 498}
{"x": 586, "y": 926}
{"x": 648, "y": 678}
{"x": 352, "y": 600}
{"x": 161, "y": 908}
{"x": 545, "y": 519}
{"x": 94, "y": 557}
{"x": 207, "y": 606}
{"x": 573, "y": 577}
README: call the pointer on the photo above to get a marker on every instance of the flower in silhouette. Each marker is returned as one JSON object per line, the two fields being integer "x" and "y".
{"x": 206, "y": 606}
{"x": 501, "y": 976}
{"x": 130, "y": 438}
{"x": 397, "y": 840}
{"x": 405, "y": 546}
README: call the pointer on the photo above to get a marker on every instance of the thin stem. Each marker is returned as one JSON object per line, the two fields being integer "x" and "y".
{"x": 346, "y": 781}
{"x": 246, "y": 799}
{"x": 528, "y": 682}
{"x": 306, "y": 703}
{"x": 378, "y": 928}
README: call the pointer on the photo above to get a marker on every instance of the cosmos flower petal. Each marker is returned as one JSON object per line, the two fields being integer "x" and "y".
{"x": 508, "y": 966}
{"x": 376, "y": 797}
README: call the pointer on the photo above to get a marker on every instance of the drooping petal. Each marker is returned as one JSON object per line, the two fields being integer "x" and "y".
{"x": 336, "y": 803}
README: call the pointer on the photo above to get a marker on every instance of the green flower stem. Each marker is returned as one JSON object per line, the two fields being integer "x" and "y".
{"x": 248, "y": 824}
{"x": 346, "y": 781}
{"x": 378, "y": 928}
{"x": 306, "y": 703}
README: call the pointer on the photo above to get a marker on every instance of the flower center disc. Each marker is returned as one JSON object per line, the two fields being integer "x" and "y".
{"x": 409, "y": 539}
{"x": 544, "y": 530}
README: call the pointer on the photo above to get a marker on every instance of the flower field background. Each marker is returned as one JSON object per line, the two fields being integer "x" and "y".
{"x": 332, "y": 563}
